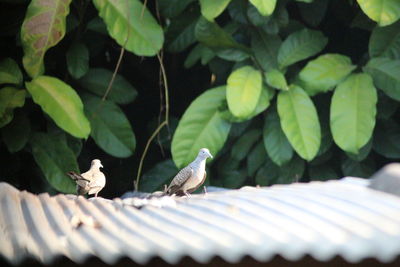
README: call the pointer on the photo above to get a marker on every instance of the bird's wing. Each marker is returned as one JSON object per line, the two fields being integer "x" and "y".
{"x": 99, "y": 180}
{"x": 79, "y": 180}
{"x": 179, "y": 179}
{"x": 202, "y": 182}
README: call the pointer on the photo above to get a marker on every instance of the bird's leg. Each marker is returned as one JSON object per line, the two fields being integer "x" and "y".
{"x": 95, "y": 195}
{"x": 205, "y": 190}
{"x": 186, "y": 194}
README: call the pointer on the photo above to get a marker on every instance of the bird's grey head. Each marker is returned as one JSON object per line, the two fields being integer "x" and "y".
{"x": 204, "y": 153}
{"x": 96, "y": 163}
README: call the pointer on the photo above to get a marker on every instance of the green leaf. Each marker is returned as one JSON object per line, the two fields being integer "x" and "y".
{"x": 264, "y": 7}
{"x": 111, "y": 130}
{"x": 43, "y": 28}
{"x": 61, "y": 103}
{"x": 386, "y": 106}
{"x": 265, "y": 48}
{"x": 256, "y": 158}
{"x": 10, "y": 98}
{"x": 242, "y": 146}
{"x": 97, "y": 80}
{"x": 292, "y": 171}
{"x": 210, "y": 34}
{"x": 276, "y": 79}
{"x": 180, "y": 33}
{"x": 386, "y": 75}
{"x": 131, "y": 25}
{"x": 354, "y": 168}
{"x": 243, "y": 91}
{"x": 172, "y": 8}
{"x": 200, "y": 126}
{"x": 10, "y": 72}
{"x": 211, "y": 9}
{"x": 276, "y": 144}
{"x": 267, "y": 174}
{"x": 313, "y": 13}
{"x": 353, "y": 111}
{"x": 362, "y": 153}
{"x": 16, "y": 134}
{"x": 385, "y": 41}
{"x": 325, "y": 72}
{"x": 97, "y": 25}
{"x": 300, "y": 45}
{"x": 234, "y": 178}
{"x": 158, "y": 176}
{"x": 322, "y": 172}
{"x": 78, "y": 60}
{"x": 54, "y": 158}
{"x": 384, "y": 12}
{"x": 299, "y": 121}
{"x": 386, "y": 139}
{"x": 200, "y": 51}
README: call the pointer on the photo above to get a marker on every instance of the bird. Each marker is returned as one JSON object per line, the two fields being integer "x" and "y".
{"x": 191, "y": 177}
{"x": 90, "y": 182}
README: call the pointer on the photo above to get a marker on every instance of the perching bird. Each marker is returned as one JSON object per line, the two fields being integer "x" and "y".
{"x": 90, "y": 182}
{"x": 191, "y": 177}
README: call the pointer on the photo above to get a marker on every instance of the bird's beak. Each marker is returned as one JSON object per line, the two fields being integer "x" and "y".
{"x": 210, "y": 155}
{"x": 101, "y": 165}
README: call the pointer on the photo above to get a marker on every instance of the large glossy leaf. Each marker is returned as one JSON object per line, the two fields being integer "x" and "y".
{"x": 78, "y": 60}
{"x": 265, "y": 48}
{"x": 300, "y": 45}
{"x": 54, "y": 158}
{"x": 385, "y": 41}
{"x": 242, "y": 146}
{"x": 10, "y": 72}
{"x": 276, "y": 79}
{"x": 180, "y": 33}
{"x": 234, "y": 178}
{"x": 243, "y": 91}
{"x": 61, "y": 103}
{"x": 267, "y": 174}
{"x": 212, "y": 35}
{"x": 386, "y": 75}
{"x": 386, "y": 139}
{"x": 384, "y": 12}
{"x": 131, "y": 25}
{"x": 200, "y": 126}
{"x": 211, "y": 9}
{"x": 354, "y": 168}
{"x": 353, "y": 111}
{"x": 172, "y": 8}
{"x": 275, "y": 141}
{"x": 313, "y": 13}
{"x": 325, "y": 72}
{"x": 96, "y": 81}
{"x": 16, "y": 134}
{"x": 10, "y": 98}
{"x": 158, "y": 176}
{"x": 299, "y": 121}
{"x": 43, "y": 27}
{"x": 264, "y": 7}
{"x": 111, "y": 130}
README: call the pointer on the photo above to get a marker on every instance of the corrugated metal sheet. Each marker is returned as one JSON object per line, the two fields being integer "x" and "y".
{"x": 322, "y": 219}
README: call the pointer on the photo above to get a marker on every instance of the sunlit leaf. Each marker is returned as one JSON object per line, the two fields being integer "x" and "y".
{"x": 386, "y": 75}
{"x": 10, "y": 72}
{"x": 54, "y": 158}
{"x": 276, "y": 144}
{"x": 385, "y": 41}
{"x": 300, "y": 45}
{"x": 10, "y": 98}
{"x": 111, "y": 130}
{"x": 97, "y": 80}
{"x": 384, "y": 12}
{"x": 43, "y": 27}
{"x": 325, "y": 72}
{"x": 61, "y": 103}
{"x": 276, "y": 79}
{"x": 200, "y": 126}
{"x": 353, "y": 111}
{"x": 131, "y": 25}
{"x": 16, "y": 134}
{"x": 211, "y": 9}
{"x": 158, "y": 176}
{"x": 299, "y": 121}
{"x": 243, "y": 91}
{"x": 77, "y": 60}
{"x": 264, "y": 7}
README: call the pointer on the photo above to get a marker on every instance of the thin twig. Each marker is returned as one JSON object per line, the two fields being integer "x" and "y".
{"x": 110, "y": 84}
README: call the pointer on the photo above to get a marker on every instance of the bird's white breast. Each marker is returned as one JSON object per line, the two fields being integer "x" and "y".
{"x": 197, "y": 177}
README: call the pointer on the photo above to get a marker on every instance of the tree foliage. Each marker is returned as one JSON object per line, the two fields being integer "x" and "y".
{"x": 299, "y": 90}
